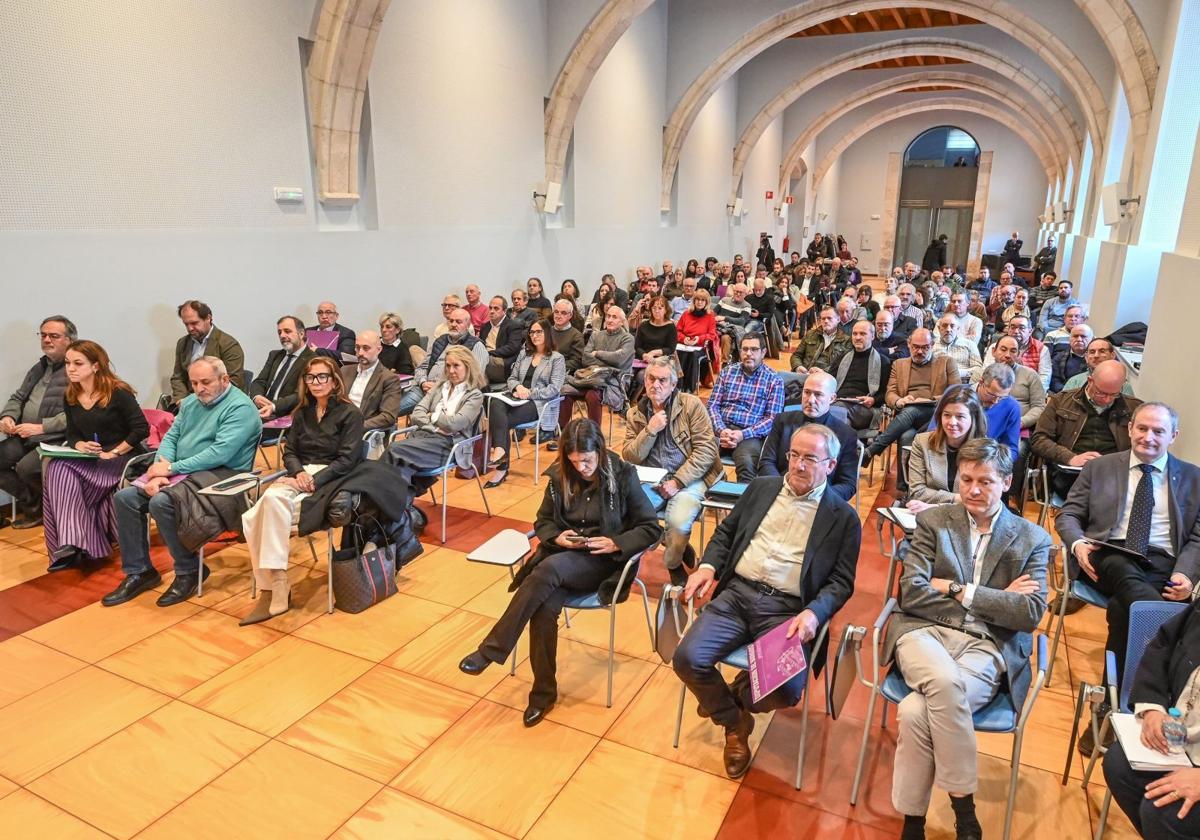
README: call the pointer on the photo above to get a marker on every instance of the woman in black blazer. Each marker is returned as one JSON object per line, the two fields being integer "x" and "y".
{"x": 594, "y": 517}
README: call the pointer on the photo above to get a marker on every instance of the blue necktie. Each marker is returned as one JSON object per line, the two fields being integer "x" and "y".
{"x": 1137, "y": 536}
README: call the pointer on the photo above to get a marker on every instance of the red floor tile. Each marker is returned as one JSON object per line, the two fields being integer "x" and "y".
{"x": 758, "y": 814}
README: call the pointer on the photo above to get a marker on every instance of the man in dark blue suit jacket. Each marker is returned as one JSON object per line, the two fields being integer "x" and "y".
{"x": 786, "y": 553}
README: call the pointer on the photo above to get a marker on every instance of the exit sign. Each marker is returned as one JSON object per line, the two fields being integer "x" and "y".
{"x": 790, "y": 199}
{"x": 770, "y": 194}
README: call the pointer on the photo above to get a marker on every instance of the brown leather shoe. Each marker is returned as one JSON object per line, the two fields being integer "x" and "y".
{"x": 737, "y": 746}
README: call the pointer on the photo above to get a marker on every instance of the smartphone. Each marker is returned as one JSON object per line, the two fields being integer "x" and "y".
{"x": 575, "y": 539}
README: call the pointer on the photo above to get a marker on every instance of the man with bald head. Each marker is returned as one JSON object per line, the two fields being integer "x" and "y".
{"x": 327, "y": 321}
{"x": 275, "y": 389}
{"x": 862, "y": 376}
{"x": 914, "y": 387}
{"x": 1081, "y": 425}
{"x": 820, "y": 391}
{"x": 429, "y": 372}
{"x": 374, "y": 389}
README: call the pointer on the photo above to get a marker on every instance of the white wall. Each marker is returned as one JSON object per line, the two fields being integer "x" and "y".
{"x": 1016, "y": 197}
{"x": 762, "y": 174}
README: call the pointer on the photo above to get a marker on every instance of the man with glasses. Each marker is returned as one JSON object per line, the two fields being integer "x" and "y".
{"x": 327, "y": 321}
{"x": 1081, "y": 425}
{"x": 969, "y": 327}
{"x": 1098, "y": 350}
{"x": 33, "y": 414}
{"x": 914, "y": 387}
{"x": 503, "y": 337}
{"x": 787, "y": 552}
{"x": 449, "y": 304}
{"x": 902, "y": 325}
{"x": 202, "y": 339}
{"x": 823, "y": 346}
{"x": 820, "y": 390}
{"x": 1032, "y": 353}
{"x": 887, "y": 342}
{"x": 214, "y": 436}
{"x": 275, "y": 390}
{"x": 742, "y": 405}
{"x": 429, "y": 371}
{"x": 1027, "y": 387}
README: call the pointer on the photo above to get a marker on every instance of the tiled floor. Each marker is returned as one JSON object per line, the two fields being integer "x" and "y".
{"x": 176, "y": 723}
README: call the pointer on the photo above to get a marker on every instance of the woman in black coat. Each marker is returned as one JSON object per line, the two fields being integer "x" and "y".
{"x": 593, "y": 518}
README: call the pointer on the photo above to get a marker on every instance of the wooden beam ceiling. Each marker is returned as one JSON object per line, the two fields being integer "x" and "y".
{"x": 886, "y": 20}
{"x": 910, "y": 61}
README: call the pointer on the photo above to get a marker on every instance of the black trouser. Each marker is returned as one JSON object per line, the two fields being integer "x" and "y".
{"x": 858, "y": 415}
{"x": 1061, "y": 481}
{"x": 21, "y": 471}
{"x": 502, "y": 417}
{"x": 1124, "y": 580}
{"x": 1128, "y": 787}
{"x": 690, "y": 363}
{"x": 537, "y": 602}
{"x": 735, "y": 618}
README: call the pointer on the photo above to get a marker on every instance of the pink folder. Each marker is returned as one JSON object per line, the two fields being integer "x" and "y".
{"x": 141, "y": 480}
{"x": 774, "y": 659}
{"x": 323, "y": 339}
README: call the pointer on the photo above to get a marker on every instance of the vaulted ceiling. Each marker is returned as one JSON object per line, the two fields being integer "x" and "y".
{"x": 886, "y": 20}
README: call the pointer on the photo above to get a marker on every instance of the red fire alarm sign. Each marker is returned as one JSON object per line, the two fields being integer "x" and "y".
{"x": 770, "y": 194}
{"x": 790, "y": 199}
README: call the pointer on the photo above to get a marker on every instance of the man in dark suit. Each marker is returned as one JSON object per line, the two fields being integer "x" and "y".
{"x": 816, "y": 398}
{"x": 371, "y": 386}
{"x": 203, "y": 339}
{"x": 1012, "y": 249}
{"x": 972, "y": 593}
{"x": 787, "y": 552}
{"x": 327, "y": 321}
{"x": 504, "y": 336}
{"x": 1147, "y": 500}
{"x": 274, "y": 390}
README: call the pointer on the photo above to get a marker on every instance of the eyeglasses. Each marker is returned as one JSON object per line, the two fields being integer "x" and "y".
{"x": 45, "y": 336}
{"x": 326, "y": 311}
{"x": 317, "y": 378}
{"x": 445, "y": 305}
{"x": 809, "y": 460}
{"x": 537, "y": 332}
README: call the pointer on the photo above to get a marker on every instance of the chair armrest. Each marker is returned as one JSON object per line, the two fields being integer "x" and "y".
{"x": 1110, "y": 669}
{"x": 876, "y": 647}
{"x": 1040, "y": 665}
{"x": 1041, "y": 655}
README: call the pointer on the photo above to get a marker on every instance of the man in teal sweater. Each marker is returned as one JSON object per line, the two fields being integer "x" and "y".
{"x": 217, "y": 426}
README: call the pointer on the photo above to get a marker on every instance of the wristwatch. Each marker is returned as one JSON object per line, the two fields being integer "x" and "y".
{"x": 955, "y": 589}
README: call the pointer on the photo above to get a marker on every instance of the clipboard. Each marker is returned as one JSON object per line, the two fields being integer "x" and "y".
{"x": 1122, "y": 550}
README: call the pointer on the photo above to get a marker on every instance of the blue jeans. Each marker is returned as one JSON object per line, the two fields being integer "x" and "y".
{"x": 734, "y": 619}
{"x": 683, "y": 509}
{"x": 409, "y": 400}
{"x": 132, "y": 506}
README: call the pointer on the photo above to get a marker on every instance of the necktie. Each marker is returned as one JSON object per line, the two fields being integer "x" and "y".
{"x": 280, "y": 375}
{"x": 1137, "y": 535}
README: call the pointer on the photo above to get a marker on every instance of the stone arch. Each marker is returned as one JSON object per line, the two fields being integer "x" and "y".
{"x": 337, "y": 86}
{"x": 571, "y": 84}
{"x": 998, "y": 13}
{"x": 944, "y": 103}
{"x": 965, "y": 81}
{"x": 1062, "y": 117}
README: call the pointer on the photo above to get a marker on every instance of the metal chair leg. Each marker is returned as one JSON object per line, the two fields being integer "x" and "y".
{"x": 612, "y": 641}
{"x": 1018, "y": 737}
{"x": 862, "y": 747}
{"x": 444, "y": 483}
{"x": 679, "y": 715}
{"x": 200, "y": 574}
{"x": 803, "y": 741}
{"x": 1060, "y": 620}
{"x": 329, "y": 571}
{"x": 1103, "y": 821}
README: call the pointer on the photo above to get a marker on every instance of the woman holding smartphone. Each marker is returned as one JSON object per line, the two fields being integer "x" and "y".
{"x": 594, "y": 517}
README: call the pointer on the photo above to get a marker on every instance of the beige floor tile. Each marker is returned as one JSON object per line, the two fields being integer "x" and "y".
{"x": 1118, "y": 826}
{"x": 445, "y": 576}
{"x": 229, "y": 565}
{"x": 18, "y": 565}
{"x": 379, "y": 723}
{"x": 30, "y": 817}
{"x": 381, "y": 631}
{"x": 97, "y": 631}
{"x": 526, "y": 509}
{"x": 635, "y": 795}
{"x": 633, "y": 638}
{"x": 278, "y": 791}
{"x": 466, "y": 497}
{"x": 310, "y": 599}
{"x": 178, "y": 659}
{"x": 500, "y": 793}
{"x": 648, "y": 724}
{"x": 392, "y": 814}
{"x": 177, "y": 749}
{"x": 275, "y": 687}
{"x": 435, "y": 654}
{"x": 582, "y": 684}
{"x": 28, "y": 666}
{"x": 56, "y": 723}
{"x": 6, "y": 787}
{"x": 492, "y": 601}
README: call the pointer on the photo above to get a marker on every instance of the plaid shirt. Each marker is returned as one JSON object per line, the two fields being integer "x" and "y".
{"x": 748, "y": 403}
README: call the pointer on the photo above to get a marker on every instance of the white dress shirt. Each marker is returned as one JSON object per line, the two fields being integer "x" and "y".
{"x": 1160, "y": 519}
{"x": 198, "y": 347}
{"x": 980, "y": 541}
{"x": 359, "y": 388}
{"x": 775, "y": 554}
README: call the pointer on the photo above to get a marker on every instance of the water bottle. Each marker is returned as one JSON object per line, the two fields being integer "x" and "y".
{"x": 1175, "y": 731}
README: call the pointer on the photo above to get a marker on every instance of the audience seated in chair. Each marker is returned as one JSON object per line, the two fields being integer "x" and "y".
{"x": 1162, "y": 805}
{"x": 538, "y": 301}
{"x": 449, "y": 304}
{"x": 214, "y": 436}
{"x": 607, "y": 364}
{"x": 327, "y": 321}
{"x": 476, "y": 308}
{"x": 786, "y": 553}
{"x": 1147, "y": 500}
{"x": 323, "y": 443}
{"x": 1061, "y": 336}
{"x": 373, "y": 389}
{"x": 503, "y": 336}
{"x": 697, "y": 327}
{"x": 969, "y": 327}
{"x": 1003, "y": 413}
{"x": 564, "y": 337}
{"x": 593, "y": 519}
{"x": 397, "y": 354}
{"x": 964, "y": 352}
{"x": 103, "y": 419}
{"x": 430, "y": 370}
{"x": 656, "y": 337}
{"x": 521, "y": 310}
{"x": 1027, "y": 388}
{"x": 33, "y": 414}
{"x": 1098, "y": 350}
{"x": 933, "y": 463}
{"x": 203, "y": 339}
{"x": 670, "y": 430}
{"x": 274, "y": 391}
{"x": 887, "y": 342}
{"x": 972, "y": 593}
{"x": 823, "y": 346}
{"x": 1070, "y": 359}
{"x": 1032, "y": 353}
{"x": 816, "y": 398}
{"x": 1054, "y": 310}
{"x": 1083, "y": 424}
{"x": 862, "y": 377}
{"x": 743, "y": 404}
{"x": 537, "y": 378}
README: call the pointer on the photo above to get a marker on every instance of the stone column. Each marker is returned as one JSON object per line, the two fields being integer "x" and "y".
{"x": 983, "y": 183}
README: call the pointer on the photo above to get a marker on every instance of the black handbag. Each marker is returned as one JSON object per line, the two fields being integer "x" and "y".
{"x": 361, "y": 579}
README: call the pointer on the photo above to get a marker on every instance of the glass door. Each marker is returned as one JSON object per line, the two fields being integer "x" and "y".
{"x": 913, "y": 227}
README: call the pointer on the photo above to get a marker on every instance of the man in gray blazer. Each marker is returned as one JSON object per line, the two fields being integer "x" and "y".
{"x": 1146, "y": 500}
{"x": 370, "y": 386}
{"x": 972, "y": 593}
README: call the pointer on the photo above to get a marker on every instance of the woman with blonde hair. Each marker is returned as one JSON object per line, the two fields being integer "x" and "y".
{"x": 323, "y": 444}
{"x": 106, "y": 425}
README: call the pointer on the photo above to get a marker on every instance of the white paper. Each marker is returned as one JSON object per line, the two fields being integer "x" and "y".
{"x": 70, "y": 451}
{"x": 245, "y": 482}
{"x": 650, "y": 475}
{"x": 903, "y": 517}
{"x": 689, "y": 348}
{"x": 1141, "y": 757}
{"x": 505, "y": 398}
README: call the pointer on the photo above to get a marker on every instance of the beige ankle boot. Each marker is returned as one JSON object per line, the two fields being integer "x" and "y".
{"x": 261, "y": 611}
{"x": 281, "y": 592}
